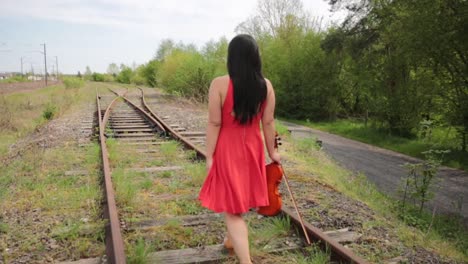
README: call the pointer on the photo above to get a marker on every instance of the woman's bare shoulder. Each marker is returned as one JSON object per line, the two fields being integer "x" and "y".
{"x": 269, "y": 85}
{"x": 220, "y": 80}
{"x": 220, "y": 83}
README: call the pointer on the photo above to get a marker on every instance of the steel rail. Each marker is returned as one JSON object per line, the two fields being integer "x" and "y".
{"x": 114, "y": 242}
{"x": 337, "y": 250}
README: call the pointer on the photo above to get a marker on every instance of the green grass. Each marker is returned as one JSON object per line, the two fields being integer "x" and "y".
{"x": 442, "y": 138}
{"x": 138, "y": 252}
{"x": 24, "y": 112}
{"x": 48, "y": 203}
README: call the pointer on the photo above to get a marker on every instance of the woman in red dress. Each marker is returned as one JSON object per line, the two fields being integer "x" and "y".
{"x": 235, "y": 157}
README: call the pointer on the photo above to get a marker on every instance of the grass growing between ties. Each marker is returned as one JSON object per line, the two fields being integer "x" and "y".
{"x": 386, "y": 231}
{"x": 48, "y": 213}
{"x": 440, "y": 138}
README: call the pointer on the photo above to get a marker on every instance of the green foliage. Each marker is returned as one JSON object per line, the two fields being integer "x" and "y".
{"x": 97, "y": 77}
{"x": 125, "y": 75}
{"x": 138, "y": 253}
{"x": 50, "y": 111}
{"x": 169, "y": 150}
{"x": 73, "y": 82}
{"x": 407, "y": 60}
{"x": 281, "y": 129}
{"x": 149, "y": 72}
{"x": 420, "y": 179}
{"x": 139, "y": 77}
{"x": 186, "y": 73}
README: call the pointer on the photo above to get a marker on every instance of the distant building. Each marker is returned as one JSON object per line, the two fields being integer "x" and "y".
{"x": 4, "y": 76}
{"x": 34, "y": 78}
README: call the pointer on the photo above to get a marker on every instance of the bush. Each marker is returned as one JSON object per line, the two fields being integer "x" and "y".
{"x": 187, "y": 73}
{"x": 125, "y": 75}
{"x": 50, "y": 111}
{"x": 73, "y": 82}
{"x": 97, "y": 77}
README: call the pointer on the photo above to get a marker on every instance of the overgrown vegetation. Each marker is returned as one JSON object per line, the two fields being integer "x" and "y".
{"x": 443, "y": 234}
{"x": 73, "y": 82}
{"x": 44, "y": 208}
{"x": 22, "y": 113}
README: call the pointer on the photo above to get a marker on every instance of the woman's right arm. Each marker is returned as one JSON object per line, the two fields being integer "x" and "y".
{"x": 268, "y": 123}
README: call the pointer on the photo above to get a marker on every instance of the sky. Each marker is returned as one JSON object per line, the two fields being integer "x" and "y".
{"x": 95, "y": 33}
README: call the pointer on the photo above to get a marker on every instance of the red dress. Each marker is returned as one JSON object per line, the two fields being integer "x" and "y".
{"x": 236, "y": 181}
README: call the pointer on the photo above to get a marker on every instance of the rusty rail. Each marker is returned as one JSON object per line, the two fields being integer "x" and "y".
{"x": 114, "y": 242}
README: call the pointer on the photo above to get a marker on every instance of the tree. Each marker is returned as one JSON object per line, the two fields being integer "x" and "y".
{"x": 165, "y": 48}
{"x": 125, "y": 75}
{"x": 418, "y": 51}
{"x": 88, "y": 71}
{"x": 113, "y": 69}
{"x": 273, "y": 16}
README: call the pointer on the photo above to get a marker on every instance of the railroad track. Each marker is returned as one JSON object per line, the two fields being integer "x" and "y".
{"x": 150, "y": 198}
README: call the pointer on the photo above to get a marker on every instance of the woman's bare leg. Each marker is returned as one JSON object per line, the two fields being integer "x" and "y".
{"x": 238, "y": 234}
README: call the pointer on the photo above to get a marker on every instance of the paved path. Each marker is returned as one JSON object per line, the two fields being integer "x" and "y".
{"x": 383, "y": 168}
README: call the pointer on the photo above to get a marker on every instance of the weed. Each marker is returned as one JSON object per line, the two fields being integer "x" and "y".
{"x": 166, "y": 174}
{"x": 419, "y": 181}
{"x": 197, "y": 173}
{"x": 169, "y": 150}
{"x": 191, "y": 154}
{"x": 146, "y": 184}
{"x": 3, "y": 228}
{"x": 138, "y": 252}
{"x": 281, "y": 129}
{"x": 124, "y": 186}
{"x": 306, "y": 145}
{"x": 73, "y": 83}
{"x": 50, "y": 111}
{"x": 6, "y": 118}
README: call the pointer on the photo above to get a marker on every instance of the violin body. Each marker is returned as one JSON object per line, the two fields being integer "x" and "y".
{"x": 274, "y": 173}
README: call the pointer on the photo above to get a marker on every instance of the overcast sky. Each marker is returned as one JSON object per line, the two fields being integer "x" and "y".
{"x": 99, "y": 32}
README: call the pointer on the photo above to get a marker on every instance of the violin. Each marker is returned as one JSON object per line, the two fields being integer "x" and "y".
{"x": 274, "y": 173}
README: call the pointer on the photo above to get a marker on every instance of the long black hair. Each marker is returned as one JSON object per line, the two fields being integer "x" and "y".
{"x": 245, "y": 70}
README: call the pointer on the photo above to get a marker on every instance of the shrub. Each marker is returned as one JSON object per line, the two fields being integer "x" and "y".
{"x": 97, "y": 77}
{"x": 125, "y": 75}
{"x": 50, "y": 111}
{"x": 73, "y": 82}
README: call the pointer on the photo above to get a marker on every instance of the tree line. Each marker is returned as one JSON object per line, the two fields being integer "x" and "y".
{"x": 396, "y": 64}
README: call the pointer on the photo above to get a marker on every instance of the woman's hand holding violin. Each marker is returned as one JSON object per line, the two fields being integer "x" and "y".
{"x": 275, "y": 157}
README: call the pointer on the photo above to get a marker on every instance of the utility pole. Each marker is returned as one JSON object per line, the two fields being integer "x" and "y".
{"x": 22, "y": 66}
{"x": 45, "y": 63}
{"x": 56, "y": 66}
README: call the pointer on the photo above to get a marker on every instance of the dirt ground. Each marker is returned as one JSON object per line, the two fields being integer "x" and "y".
{"x": 6, "y": 88}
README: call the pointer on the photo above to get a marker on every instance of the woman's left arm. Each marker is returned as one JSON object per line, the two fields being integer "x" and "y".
{"x": 214, "y": 121}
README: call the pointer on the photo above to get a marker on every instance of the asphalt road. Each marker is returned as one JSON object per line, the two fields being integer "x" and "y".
{"x": 384, "y": 168}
